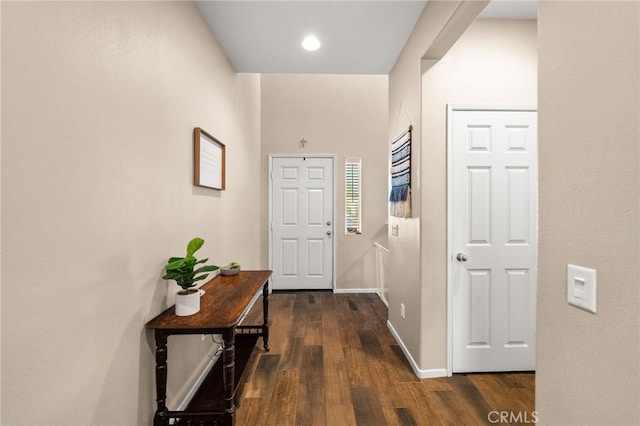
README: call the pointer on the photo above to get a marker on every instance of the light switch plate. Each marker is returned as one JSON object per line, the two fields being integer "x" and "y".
{"x": 581, "y": 287}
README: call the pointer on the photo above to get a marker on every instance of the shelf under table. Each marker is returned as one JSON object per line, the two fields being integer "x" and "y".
{"x": 210, "y": 396}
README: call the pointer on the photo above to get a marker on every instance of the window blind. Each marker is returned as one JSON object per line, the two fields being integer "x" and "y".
{"x": 353, "y": 196}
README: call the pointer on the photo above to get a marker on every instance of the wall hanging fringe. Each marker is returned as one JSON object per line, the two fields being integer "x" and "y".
{"x": 400, "y": 196}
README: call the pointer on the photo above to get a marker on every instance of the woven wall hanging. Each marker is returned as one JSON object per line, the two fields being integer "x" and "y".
{"x": 400, "y": 197}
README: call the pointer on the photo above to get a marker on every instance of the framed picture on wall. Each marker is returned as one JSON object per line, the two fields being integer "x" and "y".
{"x": 209, "y": 160}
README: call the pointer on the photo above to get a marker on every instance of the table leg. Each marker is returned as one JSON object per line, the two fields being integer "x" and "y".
{"x": 228, "y": 368}
{"x": 265, "y": 320}
{"x": 161, "y": 378}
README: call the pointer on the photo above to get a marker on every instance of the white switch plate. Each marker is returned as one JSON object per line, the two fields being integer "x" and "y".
{"x": 581, "y": 287}
{"x": 394, "y": 230}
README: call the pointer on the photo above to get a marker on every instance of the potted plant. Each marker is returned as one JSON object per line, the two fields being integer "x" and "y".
{"x": 183, "y": 271}
{"x": 231, "y": 269}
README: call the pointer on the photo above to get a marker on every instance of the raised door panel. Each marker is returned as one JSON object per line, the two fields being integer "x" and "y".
{"x": 479, "y": 205}
{"x": 517, "y": 307}
{"x": 479, "y": 290}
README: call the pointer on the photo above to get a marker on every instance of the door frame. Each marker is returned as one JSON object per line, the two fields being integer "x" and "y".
{"x": 333, "y": 158}
{"x": 451, "y": 108}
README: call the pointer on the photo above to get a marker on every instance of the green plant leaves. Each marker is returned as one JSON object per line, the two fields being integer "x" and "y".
{"x": 194, "y": 245}
{"x": 208, "y": 268}
{"x": 181, "y": 270}
{"x": 200, "y": 277}
{"x": 174, "y": 263}
{"x": 170, "y": 276}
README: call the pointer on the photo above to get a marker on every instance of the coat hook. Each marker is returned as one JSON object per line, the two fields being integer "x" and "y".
{"x": 303, "y": 142}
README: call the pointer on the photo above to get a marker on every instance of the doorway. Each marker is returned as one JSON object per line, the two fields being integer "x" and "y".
{"x": 302, "y": 243}
{"x": 492, "y": 238}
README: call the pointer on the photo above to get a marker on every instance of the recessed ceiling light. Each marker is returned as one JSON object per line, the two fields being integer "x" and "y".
{"x": 311, "y": 43}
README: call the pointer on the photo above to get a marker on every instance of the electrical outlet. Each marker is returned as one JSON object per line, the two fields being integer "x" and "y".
{"x": 402, "y": 311}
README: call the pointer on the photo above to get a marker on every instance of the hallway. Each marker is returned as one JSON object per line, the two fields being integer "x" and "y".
{"x": 334, "y": 362}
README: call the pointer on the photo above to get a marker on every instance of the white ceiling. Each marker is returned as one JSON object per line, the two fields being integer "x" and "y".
{"x": 358, "y": 37}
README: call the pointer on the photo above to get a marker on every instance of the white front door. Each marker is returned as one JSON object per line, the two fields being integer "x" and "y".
{"x": 302, "y": 222}
{"x": 493, "y": 239}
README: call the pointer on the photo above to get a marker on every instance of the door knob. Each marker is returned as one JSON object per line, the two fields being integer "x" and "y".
{"x": 328, "y": 223}
{"x": 328, "y": 232}
{"x": 461, "y": 257}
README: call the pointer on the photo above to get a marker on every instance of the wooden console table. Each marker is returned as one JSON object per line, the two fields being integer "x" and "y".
{"x": 223, "y": 306}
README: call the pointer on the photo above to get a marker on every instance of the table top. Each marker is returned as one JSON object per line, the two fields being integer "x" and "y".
{"x": 221, "y": 306}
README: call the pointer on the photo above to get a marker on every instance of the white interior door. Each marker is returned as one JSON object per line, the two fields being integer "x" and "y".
{"x": 493, "y": 239}
{"x": 302, "y": 222}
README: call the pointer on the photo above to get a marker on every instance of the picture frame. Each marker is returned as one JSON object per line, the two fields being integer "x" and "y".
{"x": 209, "y": 156}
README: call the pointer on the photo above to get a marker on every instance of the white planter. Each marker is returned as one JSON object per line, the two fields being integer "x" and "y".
{"x": 226, "y": 271}
{"x": 188, "y": 304}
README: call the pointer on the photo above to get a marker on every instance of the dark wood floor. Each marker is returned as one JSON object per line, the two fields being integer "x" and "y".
{"x": 334, "y": 362}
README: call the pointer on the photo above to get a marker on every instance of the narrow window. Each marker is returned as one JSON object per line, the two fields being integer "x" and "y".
{"x": 353, "y": 196}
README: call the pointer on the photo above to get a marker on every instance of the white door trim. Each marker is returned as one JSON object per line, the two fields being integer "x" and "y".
{"x": 450, "y": 109}
{"x": 333, "y": 158}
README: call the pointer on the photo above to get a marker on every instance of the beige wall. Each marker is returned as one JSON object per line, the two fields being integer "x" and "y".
{"x": 337, "y": 114}
{"x": 1, "y": 221}
{"x": 493, "y": 62}
{"x": 589, "y": 113}
{"x": 99, "y": 101}
{"x": 404, "y": 109}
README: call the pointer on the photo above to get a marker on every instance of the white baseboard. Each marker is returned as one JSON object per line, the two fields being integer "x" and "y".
{"x": 433, "y": 373}
{"x": 355, "y": 290}
{"x": 421, "y": 374}
{"x": 382, "y": 299}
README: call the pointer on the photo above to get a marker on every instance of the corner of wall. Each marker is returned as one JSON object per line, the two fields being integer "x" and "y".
{"x": 1, "y": 218}
{"x": 439, "y": 26}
